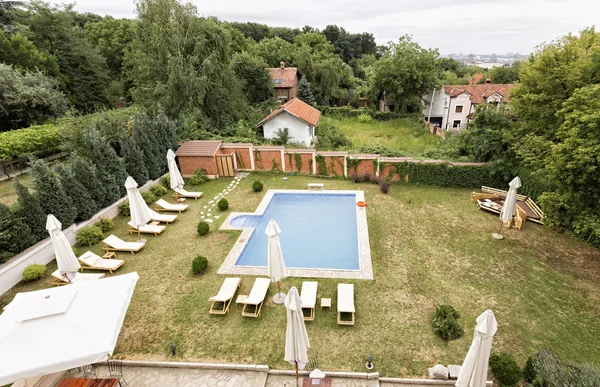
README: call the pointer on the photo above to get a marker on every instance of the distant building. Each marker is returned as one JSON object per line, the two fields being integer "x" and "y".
{"x": 295, "y": 115}
{"x": 285, "y": 81}
{"x": 451, "y": 107}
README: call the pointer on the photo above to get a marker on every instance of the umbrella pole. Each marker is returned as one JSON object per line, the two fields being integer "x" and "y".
{"x": 296, "y": 374}
{"x": 278, "y": 287}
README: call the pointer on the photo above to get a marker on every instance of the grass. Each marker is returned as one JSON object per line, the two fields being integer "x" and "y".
{"x": 405, "y": 134}
{"x": 542, "y": 286}
{"x": 7, "y": 191}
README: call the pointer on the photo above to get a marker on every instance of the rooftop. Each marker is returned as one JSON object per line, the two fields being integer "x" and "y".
{"x": 297, "y": 108}
{"x": 480, "y": 92}
{"x": 284, "y": 77}
{"x": 198, "y": 148}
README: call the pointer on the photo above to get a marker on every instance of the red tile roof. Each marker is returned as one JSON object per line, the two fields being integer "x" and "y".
{"x": 297, "y": 108}
{"x": 475, "y": 79}
{"x": 284, "y": 78}
{"x": 198, "y": 148}
{"x": 479, "y": 93}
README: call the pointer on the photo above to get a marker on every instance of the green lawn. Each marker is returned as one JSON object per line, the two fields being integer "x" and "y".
{"x": 7, "y": 191}
{"x": 405, "y": 134}
{"x": 542, "y": 286}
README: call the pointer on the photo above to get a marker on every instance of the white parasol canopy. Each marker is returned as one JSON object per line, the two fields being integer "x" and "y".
{"x": 140, "y": 213}
{"x": 275, "y": 263}
{"x": 67, "y": 262}
{"x": 296, "y": 337}
{"x": 473, "y": 372}
{"x": 510, "y": 203}
{"x": 60, "y": 328}
{"x": 176, "y": 179}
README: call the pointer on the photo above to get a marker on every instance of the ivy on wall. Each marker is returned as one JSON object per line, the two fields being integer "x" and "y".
{"x": 353, "y": 163}
{"x": 298, "y": 159}
{"x": 321, "y": 165}
{"x": 310, "y": 166}
{"x": 240, "y": 160}
{"x": 258, "y": 159}
{"x": 274, "y": 166}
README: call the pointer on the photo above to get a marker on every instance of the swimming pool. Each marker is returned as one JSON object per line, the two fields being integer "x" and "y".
{"x": 322, "y": 235}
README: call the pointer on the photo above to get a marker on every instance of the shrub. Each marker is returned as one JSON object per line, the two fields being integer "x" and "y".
{"x": 445, "y": 323}
{"x": 124, "y": 208}
{"x": 199, "y": 177}
{"x": 34, "y": 272}
{"x": 373, "y": 179}
{"x": 199, "y": 264}
{"x": 384, "y": 186}
{"x": 149, "y": 197}
{"x": 257, "y": 186}
{"x": 158, "y": 190}
{"x": 89, "y": 235}
{"x": 364, "y": 118}
{"x": 551, "y": 371}
{"x": 223, "y": 204}
{"x": 529, "y": 373}
{"x": 166, "y": 181}
{"x": 203, "y": 228}
{"x": 105, "y": 224}
{"x": 505, "y": 369}
{"x": 366, "y": 178}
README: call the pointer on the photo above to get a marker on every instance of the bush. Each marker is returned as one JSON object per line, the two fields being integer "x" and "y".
{"x": 105, "y": 224}
{"x": 199, "y": 177}
{"x": 34, "y": 272}
{"x": 149, "y": 197}
{"x": 124, "y": 208}
{"x": 355, "y": 177}
{"x": 203, "y": 228}
{"x": 158, "y": 190}
{"x": 199, "y": 264}
{"x": 505, "y": 369}
{"x": 445, "y": 323}
{"x": 223, "y": 204}
{"x": 366, "y": 178}
{"x": 35, "y": 139}
{"x": 166, "y": 181}
{"x": 550, "y": 371}
{"x": 89, "y": 235}
{"x": 529, "y": 373}
{"x": 257, "y": 186}
{"x": 364, "y": 118}
{"x": 384, "y": 186}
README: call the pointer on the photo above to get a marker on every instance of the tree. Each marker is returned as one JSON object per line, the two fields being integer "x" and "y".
{"x": 86, "y": 173}
{"x": 448, "y": 64}
{"x": 21, "y": 53}
{"x": 53, "y": 198}
{"x": 32, "y": 211}
{"x": 81, "y": 199}
{"x": 256, "y": 81}
{"x": 111, "y": 37}
{"x": 406, "y": 73}
{"x": 326, "y": 82}
{"x": 29, "y": 98}
{"x": 7, "y": 18}
{"x": 133, "y": 158}
{"x": 110, "y": 168}
{"x": 504, "y": 74}
{"x": 275, "y": 50}
{"x": 305, "y": 92}
{"x": 144, "y": 136}
{"x": 15, "y": 235}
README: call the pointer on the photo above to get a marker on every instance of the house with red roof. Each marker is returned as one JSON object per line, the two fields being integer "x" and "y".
{"x": 452, "y": 106}
{"x": 298, "y": 117}
{"x": 285, "y": 81}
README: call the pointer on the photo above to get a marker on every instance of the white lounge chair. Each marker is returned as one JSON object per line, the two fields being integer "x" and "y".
{"x": 256, "y": 297}
{"x": 186, "y": 194}
{"x": 92, "y": 261}
{"x": 345, "y": 303}
{"x": 308, "y": 295}
{"x": 59, "y": 280}
{"x": 162, "y": 218}
{"x": 225, "y": 296}
{"x": 146, "y": 229}
{"x": 114, "y": 243}
{"x": 163, "y": 205}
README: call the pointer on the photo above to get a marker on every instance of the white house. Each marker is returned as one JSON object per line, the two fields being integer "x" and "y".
{"x": 451, "y": 107}
{"x": 298, "y": 117}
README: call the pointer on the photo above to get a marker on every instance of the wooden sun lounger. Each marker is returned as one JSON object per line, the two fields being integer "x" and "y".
{"x": 114, "y": 243}
{"x": 225, "y": 296}
{"x": 256, "y": 297}
{"x": 163, "y": 205}
{"x": 186, "y": 194}
{"x": 345, "y": 303}
{"x": 58, "y": 280}
{"x": 147, "y": 229}
{"x": 308, "y": 295}
{"x": 92, "y": 261}
{"x": 162, "y": 218}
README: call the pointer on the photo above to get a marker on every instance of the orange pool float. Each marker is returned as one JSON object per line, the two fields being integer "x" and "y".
{"x": 361, "y": 204}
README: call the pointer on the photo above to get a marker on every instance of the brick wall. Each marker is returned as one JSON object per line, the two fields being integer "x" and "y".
{"x": 292, "y": 167}
{"x": 242, "y": 156}
{"x": 263, "y": 160}
{"x": 385, "y": 169}
{"x": 189, "y": 164}
{"x": 335, "y": 165}
{"x": 362, "y": 167}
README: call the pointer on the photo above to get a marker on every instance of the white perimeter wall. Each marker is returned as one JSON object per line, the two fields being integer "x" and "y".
{"x": 299, "y": 130}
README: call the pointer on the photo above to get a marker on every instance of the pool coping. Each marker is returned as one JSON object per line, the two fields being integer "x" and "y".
{"x": 364, "y": 272}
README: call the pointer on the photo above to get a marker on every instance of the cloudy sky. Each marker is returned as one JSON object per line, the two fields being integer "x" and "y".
{"x": 452, "y": 26}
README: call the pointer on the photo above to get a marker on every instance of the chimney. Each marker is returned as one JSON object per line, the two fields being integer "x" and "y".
{"x": 488, "y": 80}
{"x": 282, "y": 65}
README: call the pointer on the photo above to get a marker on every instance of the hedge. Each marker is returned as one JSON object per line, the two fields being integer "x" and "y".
{"x": 35, "y": 139}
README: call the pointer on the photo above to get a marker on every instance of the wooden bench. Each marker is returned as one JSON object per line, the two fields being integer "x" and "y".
{"x": 320, "y": 186}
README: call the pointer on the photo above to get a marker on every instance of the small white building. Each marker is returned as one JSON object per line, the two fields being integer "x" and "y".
{"x": 451, "y": 107}
{"x": 298, "y": 117}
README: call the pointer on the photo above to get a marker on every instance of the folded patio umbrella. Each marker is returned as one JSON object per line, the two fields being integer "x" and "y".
{"x": 60, "y": 328}
{"x": 296, "y": 337}
{"x": 140, "y": 213}
{"x": 275, "y": 264}
{"x": 510, "y": 205}
{"x": 176, "y": 179}
{"x": 67, "y": 262}
{"x": 473, "y": 372}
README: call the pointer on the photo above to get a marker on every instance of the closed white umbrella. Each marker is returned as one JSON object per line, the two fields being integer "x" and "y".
{"x": 473, "y": 372}
{"x": 275, "y": 264}
{"x": 56, "y": 329}
{"x": 176, "y": 179}
{"x": 296, "y": 337}
{"x": 67, "y": 262}
{"x": 510, "y": 205}
{"x": 140, "y": 213}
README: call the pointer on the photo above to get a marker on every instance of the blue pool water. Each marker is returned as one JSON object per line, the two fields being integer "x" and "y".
{"x": 317, "y": 231}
